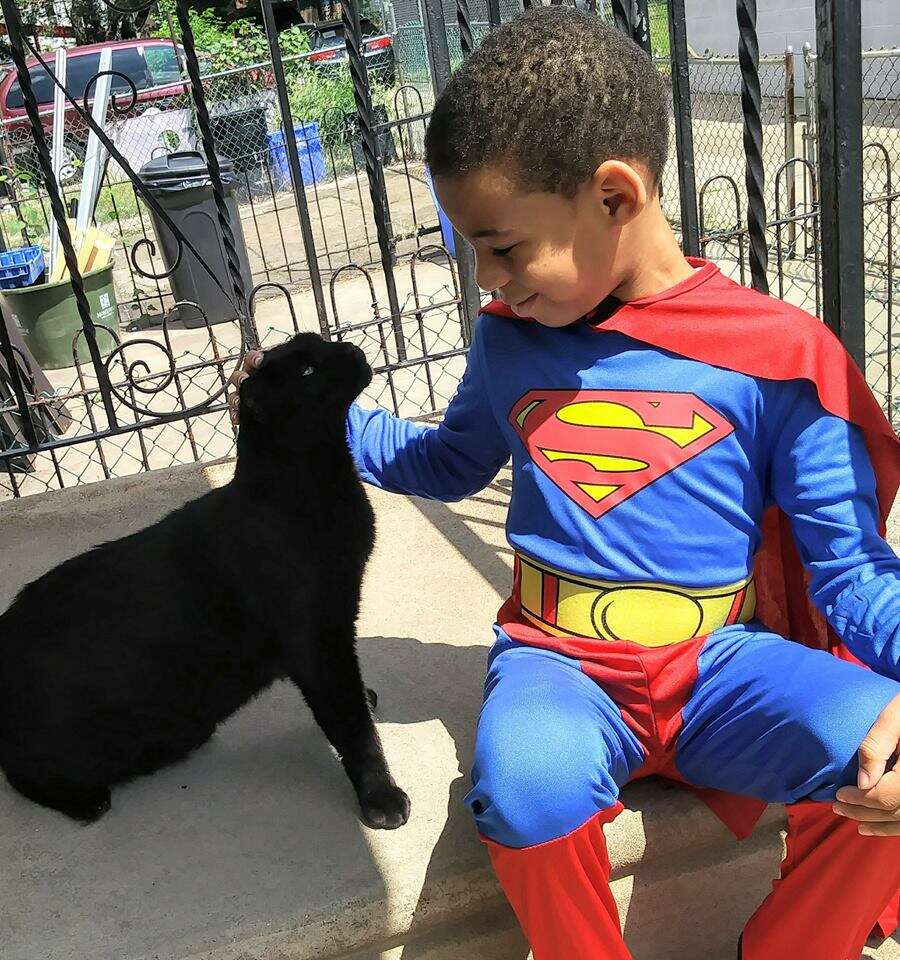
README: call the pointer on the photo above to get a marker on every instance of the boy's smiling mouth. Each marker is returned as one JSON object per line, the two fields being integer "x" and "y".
{"x": 521, "y": 308}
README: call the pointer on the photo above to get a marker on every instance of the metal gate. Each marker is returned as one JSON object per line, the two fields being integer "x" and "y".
{"x": 397, "y": 291}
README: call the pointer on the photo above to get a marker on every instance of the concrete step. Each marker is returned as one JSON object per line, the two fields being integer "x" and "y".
{"x": 252, "y": 850}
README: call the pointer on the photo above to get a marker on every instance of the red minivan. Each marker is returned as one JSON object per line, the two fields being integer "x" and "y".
{"x": 152, "y": 65}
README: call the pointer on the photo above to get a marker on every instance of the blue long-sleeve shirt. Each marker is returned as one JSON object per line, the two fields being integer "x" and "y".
{"x": 634, "y": 464}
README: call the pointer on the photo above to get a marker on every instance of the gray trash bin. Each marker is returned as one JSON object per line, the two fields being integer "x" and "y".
{"x": 180, "y": 183}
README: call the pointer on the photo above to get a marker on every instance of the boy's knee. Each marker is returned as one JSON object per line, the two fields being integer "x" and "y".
{"x": 840, "y": 728}
{"x": 532, "y": 800}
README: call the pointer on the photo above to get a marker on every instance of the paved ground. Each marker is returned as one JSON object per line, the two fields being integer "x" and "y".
{"x": 251, "y": 849}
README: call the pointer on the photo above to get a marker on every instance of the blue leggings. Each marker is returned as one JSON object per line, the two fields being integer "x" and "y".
{"x": 761, "y": 716}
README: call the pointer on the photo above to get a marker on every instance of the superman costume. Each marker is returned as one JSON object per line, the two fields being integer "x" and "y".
{"x": 669, "y": 457}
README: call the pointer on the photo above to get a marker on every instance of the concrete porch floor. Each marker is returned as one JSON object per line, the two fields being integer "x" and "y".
{"x": 251, "y": 849}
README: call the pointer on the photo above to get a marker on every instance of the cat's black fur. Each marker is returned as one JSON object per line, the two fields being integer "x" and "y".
{"x": 126, "y": 657}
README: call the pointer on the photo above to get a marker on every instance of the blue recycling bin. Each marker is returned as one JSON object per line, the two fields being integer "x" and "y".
{"x": 446, "y": 225}
{"x": 309, "y": 150}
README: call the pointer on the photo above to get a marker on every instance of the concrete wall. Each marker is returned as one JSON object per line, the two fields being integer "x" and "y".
{"x": 712, "y": 25}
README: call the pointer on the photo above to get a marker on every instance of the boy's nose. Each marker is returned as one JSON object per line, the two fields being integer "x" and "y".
{"x": 489, "y": 274}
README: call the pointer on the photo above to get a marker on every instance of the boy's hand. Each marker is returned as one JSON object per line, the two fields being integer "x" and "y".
{"x": 876, "y": 800}
{"x": 250, "y": 362}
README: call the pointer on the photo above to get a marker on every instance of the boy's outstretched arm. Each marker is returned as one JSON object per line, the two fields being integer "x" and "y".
{"x": 449, "y": 462}
{"x": 822, "y": 477}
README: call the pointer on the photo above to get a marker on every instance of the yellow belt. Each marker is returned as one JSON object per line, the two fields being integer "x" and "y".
{"x": 651, "y": 614}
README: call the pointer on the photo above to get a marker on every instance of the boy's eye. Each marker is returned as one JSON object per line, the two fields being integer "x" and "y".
{"x": 308, "y": 370}
{"x": 504, "y": 251}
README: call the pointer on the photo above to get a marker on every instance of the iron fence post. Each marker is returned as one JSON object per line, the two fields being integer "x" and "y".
{"x": 790, "y": 144}
{"x": 621, "y": 11}
{"x": 248, "y": 329}
{"x": 15, "y": 32}
{"x": 439, "y": 52}
{"x": 755, "y": 174}
{"x": 684, "y": 134}
{"x": 810, "y": 97}
{"x": 290, "y": 141}
{"x": 493, "y": 9}
{"x": 464, "y": 21}
{"x": 839, "y": 121}
{"x": 810, "y": 151}
{"x": 374, "y": 169}
{"x": 640, "y": 26}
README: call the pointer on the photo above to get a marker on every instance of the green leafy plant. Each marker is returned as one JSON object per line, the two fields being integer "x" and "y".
{"x": 226, "y": 45}
{"x": 326, "y": 99}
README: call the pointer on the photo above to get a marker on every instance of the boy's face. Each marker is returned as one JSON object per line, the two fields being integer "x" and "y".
{"x": 551, "y": 258}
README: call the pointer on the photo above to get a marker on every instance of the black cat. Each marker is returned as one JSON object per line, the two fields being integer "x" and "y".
{"x": 126, "y": 657}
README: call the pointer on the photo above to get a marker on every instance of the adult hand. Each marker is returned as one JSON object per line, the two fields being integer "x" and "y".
{"x": 250, "y": 362}
{"x": 875, "y": 801}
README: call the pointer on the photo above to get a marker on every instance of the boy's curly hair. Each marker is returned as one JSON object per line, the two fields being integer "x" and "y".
{"x": 555, "y": 92}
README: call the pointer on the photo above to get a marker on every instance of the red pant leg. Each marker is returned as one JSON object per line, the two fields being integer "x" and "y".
{"x": 560, "y": 893}
{"x": 834, "y": 887}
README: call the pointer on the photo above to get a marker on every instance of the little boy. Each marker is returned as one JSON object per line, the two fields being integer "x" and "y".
{"x": 654, "y": 411}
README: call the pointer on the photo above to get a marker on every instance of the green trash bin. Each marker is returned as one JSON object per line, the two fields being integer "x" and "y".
{"x": 48, "y": 317}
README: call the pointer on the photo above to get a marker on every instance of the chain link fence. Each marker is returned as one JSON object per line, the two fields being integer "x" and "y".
{"x": 791, "y": 189}
{"x": 248, "y": 128}
{"x": 418, "y": 355}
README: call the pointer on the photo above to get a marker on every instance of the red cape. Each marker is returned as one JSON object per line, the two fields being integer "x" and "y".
{"x": 764, "y": 337}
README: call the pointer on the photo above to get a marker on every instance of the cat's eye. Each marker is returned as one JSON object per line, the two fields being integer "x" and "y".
{"x": 308, "y": 370}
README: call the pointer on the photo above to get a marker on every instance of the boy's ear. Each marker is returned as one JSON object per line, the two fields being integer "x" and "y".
{"x": 620, "y": 191}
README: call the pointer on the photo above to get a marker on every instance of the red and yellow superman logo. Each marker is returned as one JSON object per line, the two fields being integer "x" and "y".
{"x": 601, "y": 447}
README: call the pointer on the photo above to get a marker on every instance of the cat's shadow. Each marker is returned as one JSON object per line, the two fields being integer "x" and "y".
{"x": 255, "y": 831}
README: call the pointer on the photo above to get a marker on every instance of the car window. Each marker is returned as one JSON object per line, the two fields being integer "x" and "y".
{"x": 130, "y": 61}
{"x": 162, "y": 65}
{"x": 43, "y": 89}
{"x": 79, "y": 71}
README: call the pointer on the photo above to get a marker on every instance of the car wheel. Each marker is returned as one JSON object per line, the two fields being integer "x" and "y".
{"x": 74, "y": 152}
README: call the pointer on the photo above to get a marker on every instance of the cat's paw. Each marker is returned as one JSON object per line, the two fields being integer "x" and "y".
{"x": 385, "y": 807}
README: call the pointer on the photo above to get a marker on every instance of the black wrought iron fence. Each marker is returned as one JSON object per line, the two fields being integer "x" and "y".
{"x": 324, "y": 197}
{"x": 247, "y": 125}
{"x": 342, "y": 233}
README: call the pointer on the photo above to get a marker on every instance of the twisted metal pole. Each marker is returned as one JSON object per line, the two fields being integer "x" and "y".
{"x": 377, "y": 187}
{"x": 748, "y": 55}
{"x": 296, "y": 171}
{"x": 439, "y": 57}
{"x": 17, "y": 49}
{"x": 684, "y": 132}
{"x": 463, "y": 18}
{"x": 248, "y": 330}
